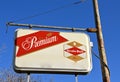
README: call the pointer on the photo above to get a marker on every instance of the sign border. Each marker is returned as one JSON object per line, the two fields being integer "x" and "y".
{"x": 51, "y": 70}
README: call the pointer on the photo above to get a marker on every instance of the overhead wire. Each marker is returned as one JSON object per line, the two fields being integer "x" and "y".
{"x": 103, "y": 63}
{"x": 49, "y": 11}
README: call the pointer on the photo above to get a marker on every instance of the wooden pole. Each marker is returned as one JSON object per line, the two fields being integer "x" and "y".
{"x": 102, "y": 53}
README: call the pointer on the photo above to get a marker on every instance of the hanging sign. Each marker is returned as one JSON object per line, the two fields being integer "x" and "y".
{"x": 52, "y": 52}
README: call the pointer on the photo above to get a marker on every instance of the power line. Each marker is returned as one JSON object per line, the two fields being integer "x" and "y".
{"x": 103, "y": 63}
{"x": 49, "y": 11}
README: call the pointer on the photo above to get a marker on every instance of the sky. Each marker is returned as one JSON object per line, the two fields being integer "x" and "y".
{"x": 52, "y": 13}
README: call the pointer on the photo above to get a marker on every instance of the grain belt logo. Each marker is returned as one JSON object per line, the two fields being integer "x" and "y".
{"x": 75, "y": 51}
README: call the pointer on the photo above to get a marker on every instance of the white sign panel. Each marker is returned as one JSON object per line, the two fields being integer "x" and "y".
{"x": 52, "y": 52}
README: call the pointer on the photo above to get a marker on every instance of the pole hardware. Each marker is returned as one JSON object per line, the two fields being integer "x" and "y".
{"x": 93, "y": 30}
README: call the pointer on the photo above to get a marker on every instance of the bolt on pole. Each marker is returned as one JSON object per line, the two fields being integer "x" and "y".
{"x": 102, "y": 53}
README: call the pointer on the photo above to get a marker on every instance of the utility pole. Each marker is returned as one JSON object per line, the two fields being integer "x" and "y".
{"x": 105, "y": 71}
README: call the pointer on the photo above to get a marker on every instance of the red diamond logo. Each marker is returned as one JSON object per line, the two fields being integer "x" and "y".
{"x": 74, "y": 51}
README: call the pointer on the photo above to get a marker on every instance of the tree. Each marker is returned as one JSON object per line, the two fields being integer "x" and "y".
{"x": 8, "y": 75}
